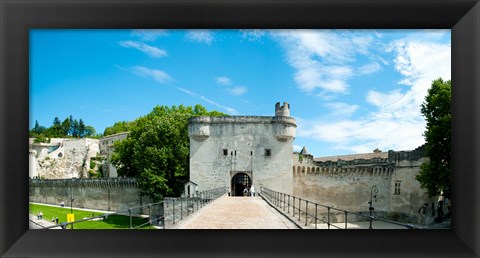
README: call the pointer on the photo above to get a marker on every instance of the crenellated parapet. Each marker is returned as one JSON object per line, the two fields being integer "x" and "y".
{"x": 379, "y": 166}
{"x": 413, "y": 155}
{"x": 86, "y": 183}
{"x": 200, "y": 128}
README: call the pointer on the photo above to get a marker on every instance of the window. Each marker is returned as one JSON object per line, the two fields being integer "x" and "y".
{"x": 225, "y": 152}
{"x": 268, "y": 152}
{"x": 397, "y": 187}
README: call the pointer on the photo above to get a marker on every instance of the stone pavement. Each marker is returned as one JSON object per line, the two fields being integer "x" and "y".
{"x": 236, "y": 213}
{"x": 35, "y": 223}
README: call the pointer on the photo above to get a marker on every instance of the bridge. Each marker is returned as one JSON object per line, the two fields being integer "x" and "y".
{"x": 214, "y": 209}
{"x": 237, "y": 213}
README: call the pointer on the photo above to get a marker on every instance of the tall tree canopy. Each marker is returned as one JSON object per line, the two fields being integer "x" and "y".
{"x": 156, "y": 150}
{"x": 436, "y": 175}
{"x": 118, "y": 127}
{"x": 68, "y": 128}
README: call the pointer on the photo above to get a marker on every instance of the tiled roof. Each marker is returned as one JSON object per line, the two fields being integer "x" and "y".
{"x": 372, "y": 155}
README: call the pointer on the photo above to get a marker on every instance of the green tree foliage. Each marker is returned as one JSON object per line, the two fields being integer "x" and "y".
{"x": 68, "y": 128}
{"x": 37, "y": 129}
{"x": 156, "y": 151}
{"x": 436, "y": 175}
{"x": 118, "y": 127}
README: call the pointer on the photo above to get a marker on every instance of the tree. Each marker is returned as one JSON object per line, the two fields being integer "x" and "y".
{"x": 89, "y": 131}
{"x": 66, "y": 126}
{"x": 37, "y": 130}
{"x": 118, "y": 127}
{"x": 81, "y": 128}
{"x": 156, "y": 150}
{"x": 75, "y": 128}
{"x": 436, "y": 175}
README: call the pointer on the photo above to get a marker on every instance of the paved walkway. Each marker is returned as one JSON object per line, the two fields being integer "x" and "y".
{"x": 237, "y": 213}
{"x": 35, "y": 223}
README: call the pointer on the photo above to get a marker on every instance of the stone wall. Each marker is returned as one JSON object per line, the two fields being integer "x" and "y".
{"x": 99, "y": 194}
{"x": 62, "y": 158}
{"x": 347, "y": 184}
{"x": 260, "y": 147}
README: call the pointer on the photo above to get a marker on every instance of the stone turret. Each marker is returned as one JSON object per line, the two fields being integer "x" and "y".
{"x": 285, "y": 125}
{"x": 282, "y": 110}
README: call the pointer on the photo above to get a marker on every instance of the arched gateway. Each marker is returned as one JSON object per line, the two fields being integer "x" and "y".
{"x": 238, "y": 183}
{"x": 259, "y": 147}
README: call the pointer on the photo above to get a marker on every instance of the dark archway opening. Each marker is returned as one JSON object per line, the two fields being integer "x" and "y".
{"x": 239, "y": 182}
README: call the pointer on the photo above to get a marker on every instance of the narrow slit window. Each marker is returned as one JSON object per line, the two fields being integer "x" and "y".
{"x": 225, "y": 152}
{"x": 268, "y": 152}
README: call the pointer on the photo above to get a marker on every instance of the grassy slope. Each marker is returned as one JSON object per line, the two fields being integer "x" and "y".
{"x": 112, "y": 221}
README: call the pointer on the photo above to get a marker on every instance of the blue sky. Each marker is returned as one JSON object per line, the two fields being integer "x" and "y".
{"x": 351, "y": 91}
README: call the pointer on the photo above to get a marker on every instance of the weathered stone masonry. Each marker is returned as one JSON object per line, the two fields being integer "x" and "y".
{"x": 100, "y": 194}
{"x": 346, "y": 182}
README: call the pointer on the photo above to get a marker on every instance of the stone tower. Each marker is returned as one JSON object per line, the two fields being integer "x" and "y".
{"x": 234, "y": 151}
{"x": 282, "y": 110}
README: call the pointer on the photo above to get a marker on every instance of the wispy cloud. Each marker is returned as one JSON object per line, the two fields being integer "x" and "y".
{"x": 297, "y": 148}
{"x": 164, "y": 78}
{"x": 369, "y": 68}
{"x": 341, "y": 109}
{"x": 396, "y": 121}
{"x": 253, "y": 35}
{"x": 223, "y": 80}
{"x": 200, "y": 36}
{"x": 228, "y": 110}
{"x": 237, "y": 91}
{"x": 149, "y": 34}
{"x": 145, "y": 48}
{"x": 230, "y": 88}
{"x": 323, "y": 59}
{"x": 157, "y": 75}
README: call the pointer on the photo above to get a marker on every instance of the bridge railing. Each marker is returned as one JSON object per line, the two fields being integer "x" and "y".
{"x": 162, "y": 214}
{"x": 176, "y": 209}
{"x": 136, "y": 219}
{"x": 312, "y": 212}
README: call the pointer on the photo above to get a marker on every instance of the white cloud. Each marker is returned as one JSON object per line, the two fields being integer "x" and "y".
{"x": 369, "y": 68}
{"x": 228, "y": 110}
{"x": 297, "y": 148}
{"x": 396, "y": 123}
{"x": 253, "y": 35}
{"x": 223, "y": 80}
{"x": 341, "y": 109}
{"x": 147, "y": 49}
{"x": 322, "y": 59}
{"x": 201, "y": 36}
{"x": 230, "y": 88}
{"x": 237, "y": 91}
{"x": 149, "y": 34}
{"x": 158, "y": 75}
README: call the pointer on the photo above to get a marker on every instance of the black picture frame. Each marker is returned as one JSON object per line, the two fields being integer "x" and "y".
{"x": 18, "y": 16}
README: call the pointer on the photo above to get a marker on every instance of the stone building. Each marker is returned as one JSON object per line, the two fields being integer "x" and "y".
{"x": 106, "y": 149}
{"x": 238, "y": 151}
{"x": 61, "y": 158}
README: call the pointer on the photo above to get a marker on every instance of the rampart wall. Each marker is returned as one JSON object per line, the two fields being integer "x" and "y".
{"x": 347, "y": 184}
{"x": 100, "y": 194}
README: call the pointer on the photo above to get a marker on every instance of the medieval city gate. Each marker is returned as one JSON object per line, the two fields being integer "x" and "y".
{"x": 239, "y": 181}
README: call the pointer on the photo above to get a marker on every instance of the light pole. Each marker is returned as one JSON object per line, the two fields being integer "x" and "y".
{"x": 373, "y": 195}
{"x": 71, "y": 183}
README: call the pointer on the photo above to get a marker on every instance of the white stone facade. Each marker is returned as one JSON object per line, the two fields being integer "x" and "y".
{"x": 234, "y": 150}
{"x": 106, "y": 150}
{"x": 62, "y": 158}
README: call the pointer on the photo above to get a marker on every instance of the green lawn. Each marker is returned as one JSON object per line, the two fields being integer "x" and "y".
{"x": 111, "y": 222}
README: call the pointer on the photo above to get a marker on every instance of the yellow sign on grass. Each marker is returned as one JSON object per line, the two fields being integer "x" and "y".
{"x": 70, "y": 217}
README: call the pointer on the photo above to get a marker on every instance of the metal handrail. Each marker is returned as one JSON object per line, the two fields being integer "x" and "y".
{"x": 200, "y": 199}
{"x": 281, "y": 200}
